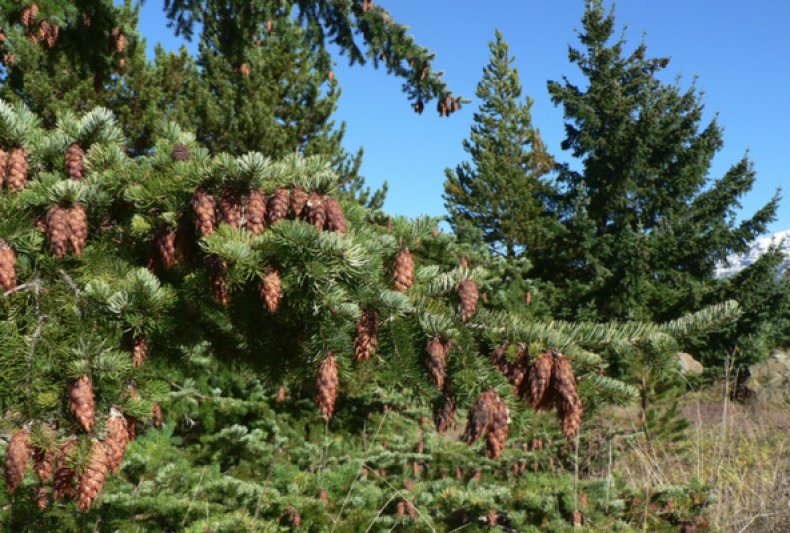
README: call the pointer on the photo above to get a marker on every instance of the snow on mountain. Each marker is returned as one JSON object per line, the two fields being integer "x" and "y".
{"x": 736, "y": 263}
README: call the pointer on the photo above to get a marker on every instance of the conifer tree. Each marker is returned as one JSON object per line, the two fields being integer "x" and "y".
{"x": 500, "y": 197}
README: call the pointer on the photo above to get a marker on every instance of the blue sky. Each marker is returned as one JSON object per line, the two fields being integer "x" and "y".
{"x": 738, "y": 51}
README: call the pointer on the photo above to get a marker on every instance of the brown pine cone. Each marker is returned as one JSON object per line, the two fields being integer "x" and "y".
{"x": 499, "y": 359}
{"x": 75, "y": 162}
{"x": 400, "y": 509}
{"x": 496, "y": 438}
{"x": 280, "y": 398}
{"x": 519, "y": 367}
{"x": 411, "y": 510}
{"x": 116, "y": 440}
{"x": 467, "y": 292}
{"x": 296, "y": 518}
{"x": 28, "y": 15}
{"x": 204, "y": 209}
{"x": 81, "y": 402}
{"x": 298, "y": 201}
{"x": 216, "y": 274}
{"x": 277, "y": 209}
{"x": 336, "y": 218}
{"x": 7, "y": 266}
{"x": 326, "y": 386}
{"x": 255, "y": 210}
{"x": 437, "y": 349}
{"x": 42, "y": 497}
{"x": 166, "y": 245}
{"x": 139, "y": 351}
{"x": 230, "y": 207}
{"x": 445, "y": 416}
{"x": 480, "y": 415}
{"x": 271, "y": 290}
{"x": 53, "y": 35}
{"x": 16, "y": 171}
{"x": 180, "y": 152}
{"x": 78, "y": 228}
{"x": 534, "y": 387}
{"x": 491, "y": 518}
{"x": 403, "y": 270}
{"x": 64, "y": 473}
{"x": 3, "y": 165}
{"x": 92, "y": 480}
{"x": 131, "y": 426}
{"x": 323, "y": 496}
{"x": 367, "y": 335}
{"x": 17, "y": 456}
{"x": 316, "y": 211}
{"x": 157, "y": 416}
{"x": 118, "y": 40}
{"x": 569, "y": 405}
{"x": 58, "y": 230}
{"x": 43, "y": 463}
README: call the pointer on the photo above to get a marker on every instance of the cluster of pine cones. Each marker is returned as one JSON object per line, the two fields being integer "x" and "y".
{"x": 46, "y": 32}
{"x": 488, "y": 417}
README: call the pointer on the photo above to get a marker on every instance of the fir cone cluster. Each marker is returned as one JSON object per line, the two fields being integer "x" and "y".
{"x": 326, "y": 386}
{"x": 75, "y": 161}
{"x": 366, "y": 338}
{"x": 17, "y": 458}
{"x": 67, "y": 227}
{"x": 81, "y": 402}
{"x": 488, "y": 417}
{"x": 272, "y": 290}
{"x": 403, "y": 270}
{"x": 7, "y": 266}
{"x": 15, "y": 169}
{"x": 437, "y": 349}
{"x": 467, "y": 293}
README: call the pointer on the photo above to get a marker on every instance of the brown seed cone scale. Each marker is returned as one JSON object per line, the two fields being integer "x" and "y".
{"x": 437, "y": 349}
{"x": 537, "y": 381}
{"x": 480, "y": 415}
{"x": 166, "y": 245}
{"x": 43, "y": 463}
{"x": 335, "y": 217}
{"x": 271, "y": 290}
{"x": 496, "y": 438}
{"x": 17, "y": 456}
{"x": 180, "y": 152}
{"x": 467, "y": 292}
{"x": 403, "y": 270}
{"x": 204, "y": 209}
{"x": 78, "y": 228}
{"x": 116, "y": 440}
{"x": 366, "y": 338}
{"x": 316, "y": 211}
{"x": 326, "y": 386}
{"x": 58, "y": 230}
{"x": 64, "y": 473}
{"x": 277, "y": 208}
{"x": 139, "y": 351}
{"x": 444, "y": 417}
{"x": 3, "y": 165}
{"x": 298, "y": 201}
{"x": 92, "y": 479}
{"x": 216, "y": 275}
{"x": 81, "y": 402}
{"x": 16, "y": 171}
{"x": 255, "y": 209}
{"x": 75, "y": 161}
{"x": 230, "y": 207}
{"x": 7, "y": 266}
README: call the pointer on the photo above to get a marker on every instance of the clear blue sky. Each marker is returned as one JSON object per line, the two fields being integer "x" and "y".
{"x": 739, "y": 52}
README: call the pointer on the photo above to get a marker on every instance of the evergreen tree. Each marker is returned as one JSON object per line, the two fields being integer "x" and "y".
{"x": 500, "y": 197}
{"x": 644, "y": 223}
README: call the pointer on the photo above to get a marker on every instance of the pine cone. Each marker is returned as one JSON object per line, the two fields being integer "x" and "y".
{"x": 326, "y": 386}
{"x": 116, "y": 440}
{"x": 204, "y": 208}
{"x": 400, "y": 509}
{"x": 519, "y": 367}
{"x": 480, "y": 415}
{"x": 58, "y": 230}
{"x": 75, "y": 162}
{"x": 280, "y": 398}
{"x": 81, "y": 402}
{"x": 180, "y": 152}
{"x": 255, "y": 208}
{"x": 298, "y": 201}
{"x": 277, "y": 208}
{"x": 139, "y": 351}
{"x": 367, "y": 335}
{"x": 78, "y": 228}
{"x": 445, "y": 416}
{"x": 17, "y": 456}
{"x": 216, "y": 275}
{"x": 92, "y": 480}
{"x": 230, "y": 207}
{"x": 336, "y": 219}
{"x": 534, "y": 387}
{"x": 28, "y": 15}
{"x": 467, "y": 292}
{"x": 296, "y": 518}
{"x": 16, "y": 172}
{"x": 42, "y": 497}
{"x": 7, "y": 266}
{"x": 569, "y": 405}
{"x": 499, "y": 360}
{"x": 272, "y": 290}
{"x": 43, "y": 463}
{"x": 491, "y": 518}
{"x": 411, "y": 510}
{"x": 157, "y": 416}
{"x": 437, "y": 349}
{"x": 497, "y": 429}
{"x": 404, "y": 270}
{"x": 118, "y": 40}
{"x": 166, "y": 245}
{"x": 3, "y": 165}
{"x": 53, "y": 35}
{"x": 316, "y": 211}
{"x": 64, "y": 474}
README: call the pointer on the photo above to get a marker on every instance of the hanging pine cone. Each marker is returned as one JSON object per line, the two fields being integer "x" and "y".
{"x": 480, "y": 415}
{"x": 3, "y": 165}
{"x": 92, "y": 480}
{"x": 78, "y": 228}
{"x": 16, "y": 172}
{"x": 534, "y": 387}
{"x": 166, "y": 245}
{"x": 64, "y": 473}
{"x": 43, "y": 463}
{"x": 444, "y": 417}
{"x": 298, "y": 201}
{"x": 116, "y": 440}
{"x": 52, "y": 35}
{"x": 437, "y": 349}
{"x": 296, "y": 518}
{"x": 139, "y": 351}
{"x": 58, "y": 230}
{"x": 255, "y": 209}
{"x": 180, "y": 152}
{"x": 316, "y": 211}
{"x": 75, "y": 162}
{"x": 499, "y": 359}
{"x": 491, "y": 518}
{"x": 467, "y": 292}
{"x": 277, "y": 209}
{"x": 411, "y": 510}
{"x": 17, "y": 456}
{"x": 519, "y": 367}
{"x": 326, "y": 386}
{"x": 28, "y": 15}
{"x": 569, "y": 404}
{"x": 216, "y": 274}
{"x": 81, "y": 402}
{"x": 367, "y": 335}
{"x": 335, "y": 217}
{"x": 118, "y": 40}
{"x": 157, "y": 416}
{"x": 271, "y": 290}
{"x": 7, "y": 266}
{"x": 403, "y": 270}
{"x": 42, "y": 497}
{"x": 496, "y": 437}
{"x": 204, "y": 208}
{"x": 230, "y": 207}
{"x": 280, "y": 398}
